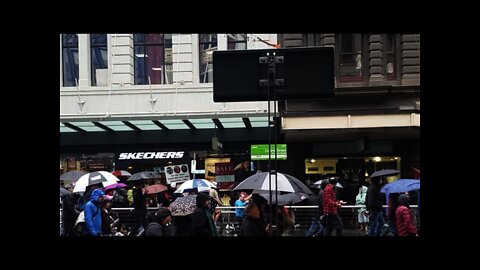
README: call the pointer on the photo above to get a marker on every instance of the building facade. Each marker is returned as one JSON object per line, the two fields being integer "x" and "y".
{"x": 137, "y": 93}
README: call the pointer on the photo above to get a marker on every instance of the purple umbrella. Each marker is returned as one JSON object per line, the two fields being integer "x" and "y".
{"x": 113, "y": 186}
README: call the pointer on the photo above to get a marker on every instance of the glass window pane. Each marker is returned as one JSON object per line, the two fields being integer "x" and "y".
{"x": 154, "y": 59}
{"x": 70, "y": 59}
{"x": 140, "y": 72}
{"x": 116, "y": 125}
{"x": 99, "y": 59}
{"x": 208, "y": 44}
{"x": 350, "y": 56}
{"x": 139, "y": 38}
{"x": 174, "y": 124}
{"x": 153, "y": 38}
{"x": 203, "y": 123}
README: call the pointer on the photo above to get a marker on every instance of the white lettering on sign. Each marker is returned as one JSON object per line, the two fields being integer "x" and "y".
{"x": 151, "y": 155}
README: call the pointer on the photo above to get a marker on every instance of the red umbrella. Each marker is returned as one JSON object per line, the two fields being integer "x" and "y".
{"x": 118, "y": 173}
{"x": 156, "y": 188}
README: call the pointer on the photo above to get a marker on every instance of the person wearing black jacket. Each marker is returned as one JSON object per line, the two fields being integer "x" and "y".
{"x": 202, "y": 221}
{"x": 140, "y": 208}
{"x": 253, "y": 224}
{"x": 70, "y": 212}
{"x": 373, "y": 204}
{"x": 159, "y": 223}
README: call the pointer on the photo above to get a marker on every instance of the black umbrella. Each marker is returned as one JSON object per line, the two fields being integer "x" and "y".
{"x": 63, "y": 192}
{"x": 72, "y": 176}
{"x": 387, "y": 172}
{"x": 144, "y": 176}
{"x": 285, "y": 183}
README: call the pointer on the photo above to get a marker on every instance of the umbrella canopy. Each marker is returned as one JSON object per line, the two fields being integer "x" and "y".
{"x": 283, "y": 199}
{"x": 387, "y": 172}
{"x": 155, "y": 188}
{"x": 93, "y": 178}
{"x": 285, "y": 182}
{"x": 144, "y": 176}
{"x": 118, "y": 173}
{"x": 199, "y": 185}
{"x": 319, "y": 183}
{"x": 183, "y": 206}
{"x": 72, "y": 175}
{"x": 63, "y": 192}
{"x": 114, "y": 186}
{"x": 401, "y": 185}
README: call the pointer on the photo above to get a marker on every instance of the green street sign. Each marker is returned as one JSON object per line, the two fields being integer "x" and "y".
{"x": 260, "y": 151}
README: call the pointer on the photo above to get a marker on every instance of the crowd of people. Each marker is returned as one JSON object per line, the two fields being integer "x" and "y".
{"x": 91, "y": 215}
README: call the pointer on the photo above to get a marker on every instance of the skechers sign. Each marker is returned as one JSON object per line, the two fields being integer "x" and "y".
{"x": 151, "y": 155}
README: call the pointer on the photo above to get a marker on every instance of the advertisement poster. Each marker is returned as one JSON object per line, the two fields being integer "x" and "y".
{"x": 177, "y": 173}
{"x": 224, "y": 175}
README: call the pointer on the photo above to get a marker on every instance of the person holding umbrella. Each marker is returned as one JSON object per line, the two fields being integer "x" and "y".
{"x": 70, "y": 212}
{"x": 404, "y": 217}
{"x": 373, "y": 201}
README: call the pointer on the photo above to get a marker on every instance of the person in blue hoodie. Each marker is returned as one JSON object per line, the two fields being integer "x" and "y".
{"x": 93, "y": 213}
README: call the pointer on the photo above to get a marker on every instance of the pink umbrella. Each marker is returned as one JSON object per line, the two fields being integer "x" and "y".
{"x": 155, "y": 188}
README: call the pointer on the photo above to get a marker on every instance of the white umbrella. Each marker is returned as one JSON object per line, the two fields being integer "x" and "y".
{"x": 285, "y": 183}
{"x": 199, "y": 184}
{"x": 93, "y": 178}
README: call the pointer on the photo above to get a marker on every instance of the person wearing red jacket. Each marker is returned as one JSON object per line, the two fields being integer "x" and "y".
{"x": 330, "y": 205}
{"x": 405, "y": 221}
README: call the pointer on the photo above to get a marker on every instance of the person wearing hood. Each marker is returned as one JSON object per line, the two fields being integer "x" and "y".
{"x": 404, "y": 217}
{"x": 159, "y": 223}
{"x": 93, "y": 215}
{"x": 202, "y": 220}
{"x": 360, "y": 200}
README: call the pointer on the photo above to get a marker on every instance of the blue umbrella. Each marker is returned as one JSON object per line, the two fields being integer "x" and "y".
{"x": 400, "y": 186}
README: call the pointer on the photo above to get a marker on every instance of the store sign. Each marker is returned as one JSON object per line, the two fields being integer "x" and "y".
{"x": 177, "y": 173}
{"x": 151, "y": 155}
{"x": 260, "y": 151}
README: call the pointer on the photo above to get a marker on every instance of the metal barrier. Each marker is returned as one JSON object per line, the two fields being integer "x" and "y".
{"x": 227, "y": 224}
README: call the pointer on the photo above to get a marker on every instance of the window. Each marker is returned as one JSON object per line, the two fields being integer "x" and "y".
{"x": 153, "y": 58}
{"x": 236, "y": 41}
{"x": 208, "y": 44}
{"x": 99, "y": 59}
{"x": 350, "y": 57}
{"x": 390, "y": 56}
{"x": 311, "y": 40}
{"x": 70, "y": 59}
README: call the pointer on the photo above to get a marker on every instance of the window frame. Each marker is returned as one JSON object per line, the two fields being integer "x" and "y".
{"x": 234, "y": 42}
{"x": 71, "y": 60}
{"x": 364, "y": 71}
{"x": 396, "y": 57}
{"x": 92, "y": 52}
{"x": 144, "y": 44}
{"x": 200, "y": 55}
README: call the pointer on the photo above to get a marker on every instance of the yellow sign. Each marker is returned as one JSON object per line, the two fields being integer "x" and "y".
{"x": 320, "y": 166}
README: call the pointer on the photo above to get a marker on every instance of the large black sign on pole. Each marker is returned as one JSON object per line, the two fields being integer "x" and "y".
{"x": 252, "y": 75}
